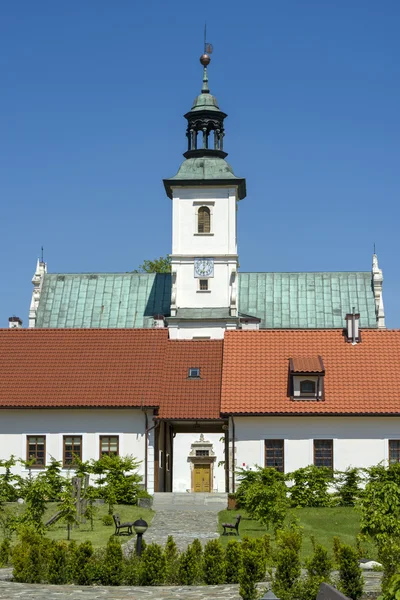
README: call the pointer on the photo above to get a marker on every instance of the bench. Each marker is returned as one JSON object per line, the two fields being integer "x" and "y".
{"x": 233, "y": 527}
{"x": 119, "y": 526}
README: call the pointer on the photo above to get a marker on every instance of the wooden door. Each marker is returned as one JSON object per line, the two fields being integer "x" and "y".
{"x": 202, "y": 478}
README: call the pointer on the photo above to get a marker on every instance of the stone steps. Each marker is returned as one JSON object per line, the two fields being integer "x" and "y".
{"x": 184, "y": 501}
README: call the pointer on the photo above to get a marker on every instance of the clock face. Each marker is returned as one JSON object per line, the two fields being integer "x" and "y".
{"x": 204, "y": 267}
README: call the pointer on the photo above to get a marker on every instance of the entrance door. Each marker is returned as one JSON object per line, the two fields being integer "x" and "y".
{"x": 202, "y": 478}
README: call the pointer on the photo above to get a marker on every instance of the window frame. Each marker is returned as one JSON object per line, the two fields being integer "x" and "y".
{"x": 190, "y": 376}
{"x": 205, "y": 209}
{"x": 397, "y": 443}
{"x": 282, "y": 442}
{"x": 325, "y": 441}
{"x": 202, "y": 282}
{"x": 71, "y": 464}
{"x": 36, "y": 465}
{"x": 101, "y": 438}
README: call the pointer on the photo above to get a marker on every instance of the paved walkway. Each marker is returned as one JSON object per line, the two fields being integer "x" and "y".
{"x": 184, "y": 526}
{"x": 9, "y": 590}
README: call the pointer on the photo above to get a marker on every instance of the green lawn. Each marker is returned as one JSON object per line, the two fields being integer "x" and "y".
{"x": 322, "y": 523}
{"x": 100, "y": 534}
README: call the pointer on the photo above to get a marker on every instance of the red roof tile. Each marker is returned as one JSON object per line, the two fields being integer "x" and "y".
{"x": 359, "y": 379}
{"x": 109, "y": 367}
{"x": 306, "y": 364}
{"x": 185, "y": 398}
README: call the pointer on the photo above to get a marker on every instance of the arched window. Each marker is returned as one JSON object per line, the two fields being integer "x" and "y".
{"x": 307, "y": 387}
{"x": 203, "y": 220}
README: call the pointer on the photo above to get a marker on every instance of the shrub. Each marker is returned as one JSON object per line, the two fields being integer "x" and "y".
{"x": 188, "y": 570}
{"x": 112, "y": 572}
{"x": 336, "y": 548}
{"x": 264, "y": 495}
{"x": 248, "y": 573}
{"x": 350, "y": 578}
{"x": 214, "y": 563}
{"x": 132, "y": 565}
{"x": 107, "y": 520}
{"x": 58, "y": 563}
{"x": 30, "y": 556}
{"x": 285, "y": 580}
{"x": 389, "y": 556}
{"x": 380, "y": 502}
{"x": 152, "y": 570}
{"x": 310, "y": 487}
{"x": 5, "y": 552}
{"x": 171, "y": 561}
{"x": 81, "y": 571}
{"x": 233, "y": 561}
{"x": 319, "y": 567}
{"x": 8, "y": 521}
{"x": 347, "y": 484}
{"x": 393, "y": 589}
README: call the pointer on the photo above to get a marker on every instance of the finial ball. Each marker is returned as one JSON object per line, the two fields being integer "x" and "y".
{"x": 205, "y": 59}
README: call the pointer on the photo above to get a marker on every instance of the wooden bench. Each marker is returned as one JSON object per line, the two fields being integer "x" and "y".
{"x": 233, "y": 527}
{"x": 119, "y": 526}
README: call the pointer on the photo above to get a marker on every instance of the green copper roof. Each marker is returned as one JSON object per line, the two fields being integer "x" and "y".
{"x": 205, "y": 167}
{"x": 280, "y": 300}
{"x": 205, "y": 101}
{"x": 307, "y": 300}
{"x": 103, "y": 299}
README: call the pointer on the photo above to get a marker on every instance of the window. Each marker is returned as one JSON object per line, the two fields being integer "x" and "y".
{"x": 194, "y": 373}
{"x": 109, "y": 445}
{"x": 307, "y": 387}
{"x": 323, "y": 453}
{"x": 168, "y": 462}
{"x": 394, "y": 451}
{"x": 203, "y": 285}
{"x": 161, "y": 460}
{"x": 36, "y": 450}
{"x": 202, "y": 453}
{"x": 72, "y": 447}
{"x": 274, "y": 454}
{"x": 203, "y": 220}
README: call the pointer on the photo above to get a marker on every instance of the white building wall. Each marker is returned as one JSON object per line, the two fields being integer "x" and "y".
{"x": 357, "y": 441}
{"x": 181, "y": 466}
{"x": 128, "y": 424}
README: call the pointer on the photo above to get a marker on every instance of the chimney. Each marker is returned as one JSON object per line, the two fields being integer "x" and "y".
{"x": 158, "y": 321}
{"x": 14, "y": 323}
{"x": 353, "y": 327}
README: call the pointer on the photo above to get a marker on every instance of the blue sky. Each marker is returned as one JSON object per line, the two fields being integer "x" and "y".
{"x": 91, "y": 109}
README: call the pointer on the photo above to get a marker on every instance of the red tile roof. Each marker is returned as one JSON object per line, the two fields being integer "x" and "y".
{"x": 185, "y": 398}
{"x": 359, "y": 379}
{"x": 306, "y": 364}
{"x": 80, "y": 367}
{"x": 109, "y": 368}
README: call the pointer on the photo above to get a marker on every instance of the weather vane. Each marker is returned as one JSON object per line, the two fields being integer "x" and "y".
{"x": 208, "y": 48}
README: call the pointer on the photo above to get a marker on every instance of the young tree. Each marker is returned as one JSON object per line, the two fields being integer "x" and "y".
{"x": 265, "y": 496}
{"x": 36, "y": 501}
{"x": 380, "y": 502}
{"x": 67, "y": 506}
{"x": 158, "y": 265}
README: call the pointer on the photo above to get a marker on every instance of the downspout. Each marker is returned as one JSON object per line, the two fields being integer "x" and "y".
{"x": 233, "y": 454}
{"x": 147, "y": 431}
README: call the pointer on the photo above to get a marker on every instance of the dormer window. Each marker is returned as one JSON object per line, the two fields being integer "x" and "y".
{"x": 203, "y": 220}
{"x": 306, "y": 378}
{"x": 194, "y": 373}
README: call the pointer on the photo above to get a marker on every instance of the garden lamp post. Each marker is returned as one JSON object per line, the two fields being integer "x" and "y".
{"x": 140, "y": 526}
{"x": 269, "y": 596}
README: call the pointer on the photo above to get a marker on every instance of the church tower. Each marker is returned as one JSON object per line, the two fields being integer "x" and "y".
{"x": 205, "y": 194}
